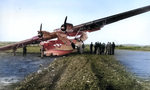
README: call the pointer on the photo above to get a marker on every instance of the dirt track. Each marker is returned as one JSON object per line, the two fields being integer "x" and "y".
{"x": 81, "y": 72}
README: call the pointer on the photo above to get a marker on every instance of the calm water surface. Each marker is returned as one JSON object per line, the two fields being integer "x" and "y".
{"x": 14, "y": 69}
{"x": 137, "y": 62}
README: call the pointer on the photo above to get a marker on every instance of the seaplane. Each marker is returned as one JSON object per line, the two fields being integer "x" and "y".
{"x": 62, "y": 45}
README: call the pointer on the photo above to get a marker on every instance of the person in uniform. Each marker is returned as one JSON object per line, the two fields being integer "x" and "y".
{"x": 113, "y": 48}
{"x": 100, "y": 48}
{"x": 14, "y": 50}
{"x": 107, "y": 48}
{"x": 42, "y": 51}
{"x": 24, "y": 51}
{"x": 91, "y": 47}
{"x": 95, "y": 47}
{"x": 103, "y": 48}
{"x": 109, "y": 52}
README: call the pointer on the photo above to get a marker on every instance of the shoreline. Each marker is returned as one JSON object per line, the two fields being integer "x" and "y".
{"x": 83, "y": 71}
{"x": 134, "y": 48}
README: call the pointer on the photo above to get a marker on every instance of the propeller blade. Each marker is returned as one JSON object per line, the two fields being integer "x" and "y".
{"x": 40, "y": 34}
{"x": 65, "y": 20}
{"x": 41, "y": 27}
{"x": 64, "y": 26}
{"x": 65, "y": 23}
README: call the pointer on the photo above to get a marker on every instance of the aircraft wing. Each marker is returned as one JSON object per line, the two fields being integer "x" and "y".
{"x": 97, "y": 24}
{"x": 20, "y": 44}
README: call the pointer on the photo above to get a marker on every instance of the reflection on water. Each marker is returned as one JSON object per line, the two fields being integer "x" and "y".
{"x": 15, "y": 68}
{"x": 138, "y": 62}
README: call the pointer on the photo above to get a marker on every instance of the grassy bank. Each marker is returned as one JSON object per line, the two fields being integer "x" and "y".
{"x": 30, "y": 49}
{"x": 6, "y": 43}
{"x": 82, "y": 72}
{"x": 136, "y": 48}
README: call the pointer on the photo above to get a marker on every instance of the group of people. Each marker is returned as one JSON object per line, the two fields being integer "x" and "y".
{"x": 99, "y": 48}
{"x": 102, "y": 48}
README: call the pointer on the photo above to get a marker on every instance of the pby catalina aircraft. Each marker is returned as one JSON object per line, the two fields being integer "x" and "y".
{"x": 63, "y": 45}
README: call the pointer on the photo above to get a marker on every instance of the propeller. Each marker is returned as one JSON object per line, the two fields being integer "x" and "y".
{"x": 40, "y": 34}
{"x": 64, "y": 26}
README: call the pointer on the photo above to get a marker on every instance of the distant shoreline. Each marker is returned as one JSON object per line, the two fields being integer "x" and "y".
{"x": 36, "y": 48}
{"x": 134, "y": 48}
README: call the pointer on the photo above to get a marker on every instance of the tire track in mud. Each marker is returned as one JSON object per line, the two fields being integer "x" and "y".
{"x": 58, "y": 76}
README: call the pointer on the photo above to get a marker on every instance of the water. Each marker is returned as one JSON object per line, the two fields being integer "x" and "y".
{"x": 14, "y": 69}
{"x": 137, "y": 62}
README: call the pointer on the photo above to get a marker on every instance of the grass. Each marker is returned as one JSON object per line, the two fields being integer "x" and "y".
{"x": 83, "y": 72}
{"x": 30, "y": 49}
{"x": 6, "y": 43}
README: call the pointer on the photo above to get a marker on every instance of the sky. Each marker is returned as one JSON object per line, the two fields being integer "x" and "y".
{"x": 21, "y": 19}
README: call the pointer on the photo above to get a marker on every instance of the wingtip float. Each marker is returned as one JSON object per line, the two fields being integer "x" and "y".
{"x": 63, "y": 45}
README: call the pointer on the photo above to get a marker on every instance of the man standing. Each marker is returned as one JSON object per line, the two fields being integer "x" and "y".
{"x": 107, "y": 48}
{"x": 42, "y": 51}
{"x": 103, "y": 48}
{"x": 91, "y": 47}
{"x": 100, "y": 48}
{"x": 110, "y": 48}
{"x": 113, "y": 48}
{"x": 14, "y": 50}
{"x": 95, "y": 47}
{"x": 24, "y": 50}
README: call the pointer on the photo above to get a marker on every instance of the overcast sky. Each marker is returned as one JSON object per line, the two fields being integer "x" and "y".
{"x": 21, "y": 19}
